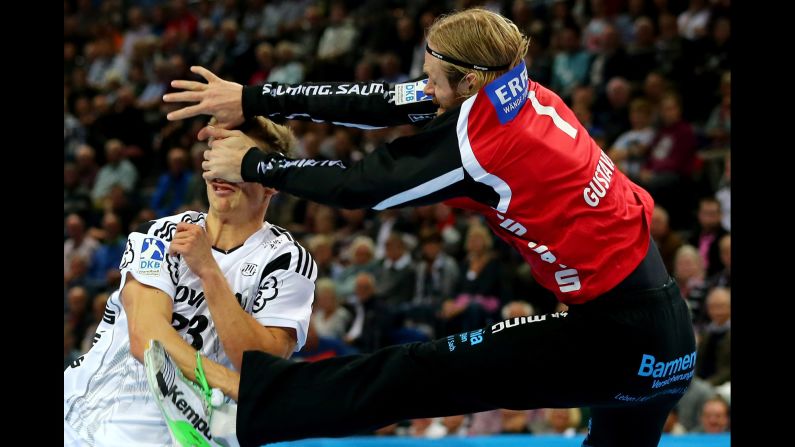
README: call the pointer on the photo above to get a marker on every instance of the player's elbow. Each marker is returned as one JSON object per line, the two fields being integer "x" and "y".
{"x": 140, "y": 335}
{"x": 137, "y": 345}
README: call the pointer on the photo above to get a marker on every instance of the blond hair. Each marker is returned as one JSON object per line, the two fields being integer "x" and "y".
{"x": 477, "y": 36}
{"x": 268, "y": 135}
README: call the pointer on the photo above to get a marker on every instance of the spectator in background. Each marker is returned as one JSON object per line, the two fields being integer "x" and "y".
{"x": 690, "y": 406}
{"x": 329, "y": 318}
{"x": 668, "y": 241}
{"x": 78, "y": 242}
{"x": 396, "y": 273}
{"x": 689, "y": 274}
{"x": 707, "y": 234}
{"x": 288, "y": 70}
{"x": 714, "y": 349}
{"x": 172, "y": 186}
{"x": 265, "y": 63}
{"x": 76, "y": 198}
{"x": 437, "y": 279}
{"x": 368, "y": 331}
{"x": 613, "y": 114}
{"x": 714, "y": 416}
{"x": 719, "y": 125}
{"x": 107, "y": 257}
{"x": 322, "y": 249}
{"x": 571, "y": 65}
{"x": 671, "y": 50}
{"x": 360, "y": 254}
{"x": 724, "y": 277}
{"x": 479, "y": 296}
{"x": 628, "y": 150}
{"x": 694, "y": 20}
{"x": 87, "y": 168}
{"x": 671, "y": 153}
{"x": 610, "y": 61}
{"x": 641, "y": 53}
{"x": 116, "y": 171}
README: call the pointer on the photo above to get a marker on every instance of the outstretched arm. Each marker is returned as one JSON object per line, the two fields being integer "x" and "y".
{"x": 416, "y": 170}
{"x": 356, "y": 104}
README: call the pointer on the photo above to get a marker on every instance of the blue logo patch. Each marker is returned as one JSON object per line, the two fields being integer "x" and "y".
{"x": 410, "y": 92}
{"x": 153, "y": 249}
{"x": 508, "y": 93}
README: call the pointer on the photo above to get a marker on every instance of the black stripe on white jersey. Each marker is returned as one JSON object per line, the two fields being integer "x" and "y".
{"x": 279, "y": 230}
{"x": 109, "y": 316}
{"x": 166, "y": 231}
{"x": 311, "y": 268}
{"x": 302, "y": 266}
{"x": 282, "y": 262}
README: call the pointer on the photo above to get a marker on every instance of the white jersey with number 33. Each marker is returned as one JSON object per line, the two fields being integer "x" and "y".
{"x": 106, "y": 396}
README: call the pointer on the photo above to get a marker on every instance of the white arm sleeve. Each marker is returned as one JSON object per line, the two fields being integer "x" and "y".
{"x": 285, "y": 299}
{"x": 146, "y": 258}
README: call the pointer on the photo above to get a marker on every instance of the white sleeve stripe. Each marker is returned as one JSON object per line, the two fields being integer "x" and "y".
{"x": 471, "y": 163}
{"x": 429, "y": 187}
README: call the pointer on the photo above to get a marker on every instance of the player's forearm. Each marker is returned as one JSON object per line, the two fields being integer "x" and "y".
{"x": 184, "y": 357}
{"x": 415, "y": 170}
{"x": 238, "y": 331}
{"x": 359, "y": 104}
{"x": 326, "y": 182}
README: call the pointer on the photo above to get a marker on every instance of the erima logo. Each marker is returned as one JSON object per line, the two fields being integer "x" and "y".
{"x": 650, "y": 367}
{"x": 192, "y": 416}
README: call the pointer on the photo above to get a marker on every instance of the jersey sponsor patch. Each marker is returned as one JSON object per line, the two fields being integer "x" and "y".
{"x": 153, "y": 253}
{"x": 508, "y": 93}
{"x": 411, "y": 92}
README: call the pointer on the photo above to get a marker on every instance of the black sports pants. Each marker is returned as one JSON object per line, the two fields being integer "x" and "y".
{"x": 628, "y": 355}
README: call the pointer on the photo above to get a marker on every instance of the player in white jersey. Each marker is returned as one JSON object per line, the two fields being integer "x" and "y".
{"x": 221, "y": 283}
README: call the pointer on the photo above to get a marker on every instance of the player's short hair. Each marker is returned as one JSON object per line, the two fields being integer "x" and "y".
{"x": 269, "y": 136}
